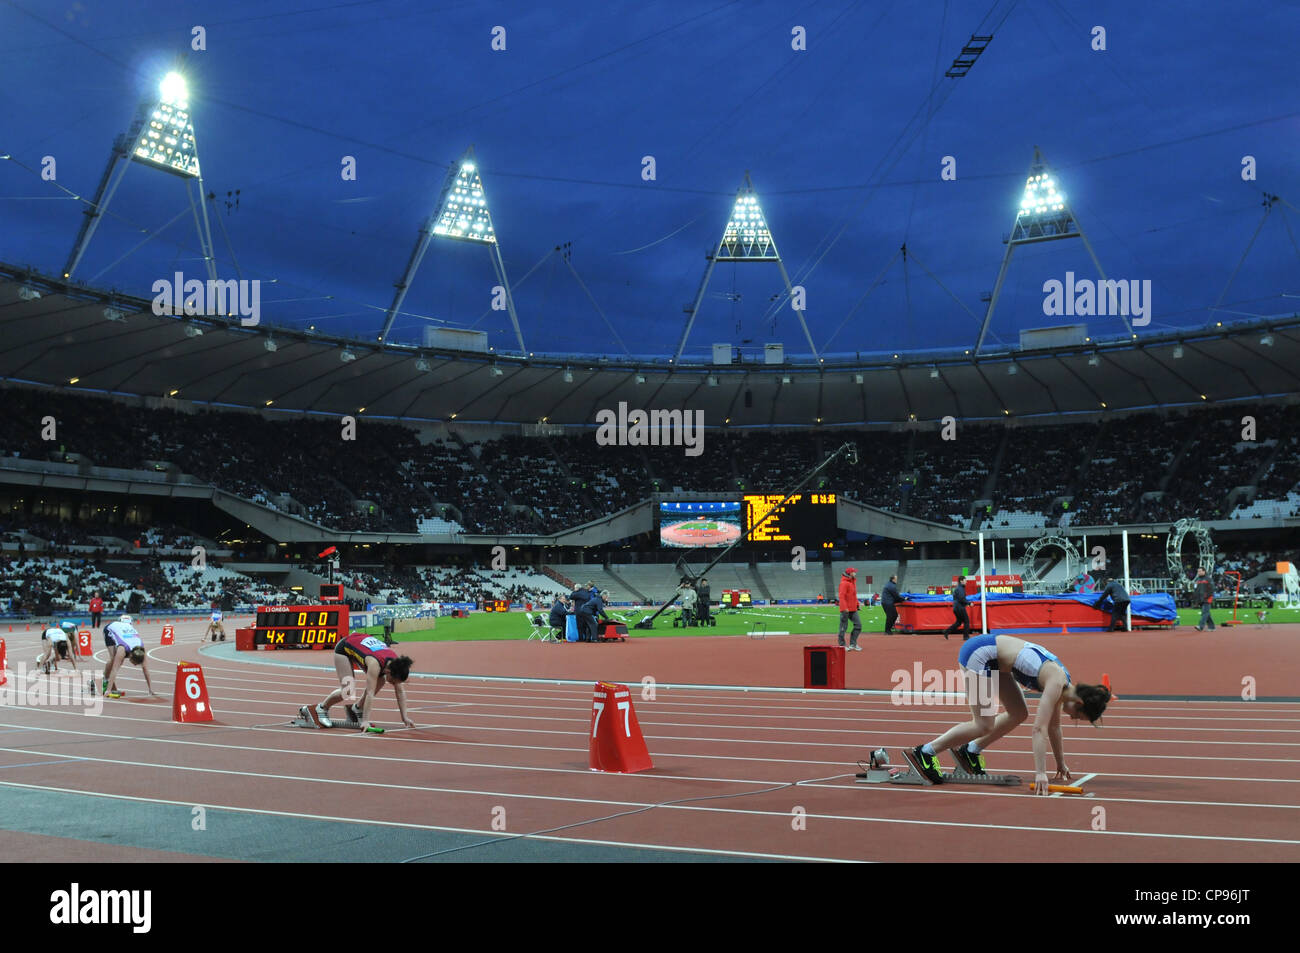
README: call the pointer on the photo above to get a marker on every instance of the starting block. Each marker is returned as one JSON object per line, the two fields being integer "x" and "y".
{"x": 304, "y": 720}
{"x": 906, "y": 774}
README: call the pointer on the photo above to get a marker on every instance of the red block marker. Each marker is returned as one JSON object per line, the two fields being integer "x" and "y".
{"x": 190, "y": 697}
{"x": 616, "y": 741}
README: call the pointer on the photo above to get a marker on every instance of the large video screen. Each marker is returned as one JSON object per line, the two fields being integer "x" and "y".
{"x": 707, "y": 524}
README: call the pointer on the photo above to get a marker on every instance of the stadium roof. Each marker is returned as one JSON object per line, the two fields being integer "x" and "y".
{"x": 111, "y": 343}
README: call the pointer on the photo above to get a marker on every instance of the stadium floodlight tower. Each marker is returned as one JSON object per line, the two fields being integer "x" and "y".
{"x": 746, "y": 238}
{"x": 161, "y": 137}
{"x": 462, "y": 215}
{"x": 1044, "y": 216}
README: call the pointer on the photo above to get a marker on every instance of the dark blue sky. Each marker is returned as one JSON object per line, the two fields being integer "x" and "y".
{"x": 1147, "y": 139}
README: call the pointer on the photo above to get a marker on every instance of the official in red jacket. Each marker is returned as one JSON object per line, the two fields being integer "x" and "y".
{"x": 96, "y": 607}
{"x": 849, "y": 608}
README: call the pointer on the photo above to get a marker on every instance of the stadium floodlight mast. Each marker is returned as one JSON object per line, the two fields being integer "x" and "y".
{"x": 161, "y": 137}
{"x": 461, "y": 214}
{"x": 746, "y": 237}
{"x": 1044, "y": 216}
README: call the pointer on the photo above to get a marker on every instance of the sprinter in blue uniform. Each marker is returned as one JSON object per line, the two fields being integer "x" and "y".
{"x": 996, "y": 666}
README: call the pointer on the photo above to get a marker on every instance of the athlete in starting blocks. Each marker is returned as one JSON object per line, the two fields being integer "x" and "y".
{"x": 993, "y": 665}
{"x": 58, "y": 645}
{"x": 379, "y": 665}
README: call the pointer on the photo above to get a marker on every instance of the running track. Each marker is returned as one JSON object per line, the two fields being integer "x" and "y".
{"x": 738, "y": 775}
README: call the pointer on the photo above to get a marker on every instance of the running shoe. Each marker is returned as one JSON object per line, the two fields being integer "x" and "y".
{"x": 926, "y": 764}
{"x": 321, "y": 715}
{"x": 354, "y": 714}
{"x": 970, "y": 763}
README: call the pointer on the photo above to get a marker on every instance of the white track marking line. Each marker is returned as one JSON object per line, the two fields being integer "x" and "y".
{"x": 752, "y": 813}
{"x": 496, "y": 835}
{"x": 538, "y": 748}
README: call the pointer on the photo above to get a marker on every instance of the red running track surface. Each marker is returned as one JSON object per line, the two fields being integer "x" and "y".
{"x": 767, "y": 774}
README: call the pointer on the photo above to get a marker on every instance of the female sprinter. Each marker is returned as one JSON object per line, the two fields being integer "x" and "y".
{"x": 380, "y": 664}
{"x": 58, "y": 647}
{"x": 123, "y": 642}
{"x": 987, "y": 661}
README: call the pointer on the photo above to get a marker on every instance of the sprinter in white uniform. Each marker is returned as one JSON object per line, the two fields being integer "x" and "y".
{"x": 123, "y": 642}
{"x": 57, "y": 646}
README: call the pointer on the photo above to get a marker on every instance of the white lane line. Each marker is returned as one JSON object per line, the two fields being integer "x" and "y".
{"x": 495, "y": 835}
{"x": 854, "y": 819}
{"x": 572, "y": 751}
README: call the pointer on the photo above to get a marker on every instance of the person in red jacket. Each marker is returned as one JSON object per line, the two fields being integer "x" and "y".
{"x": 849, "y": 608}
{"x": 96, "y": 610}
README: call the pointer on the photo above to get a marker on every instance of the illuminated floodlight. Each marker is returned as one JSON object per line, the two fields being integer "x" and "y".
{"x": 167, "y": 137}
{"x": 464, "y": 213}
{"x": 1041, "y": 196}
{"x": 747, "y": 236}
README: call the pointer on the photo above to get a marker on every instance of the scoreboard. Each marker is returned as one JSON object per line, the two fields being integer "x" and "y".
{"x": 806, "y": 519}
{"x": 300, "y": 627}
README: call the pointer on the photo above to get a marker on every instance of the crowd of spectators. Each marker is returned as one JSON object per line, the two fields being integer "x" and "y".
{"x": 1142, "y": 468}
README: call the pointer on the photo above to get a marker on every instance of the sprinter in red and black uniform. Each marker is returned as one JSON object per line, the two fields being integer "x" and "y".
{"x": 379, "y": 664}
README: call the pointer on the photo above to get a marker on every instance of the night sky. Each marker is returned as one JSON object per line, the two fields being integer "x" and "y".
{"x": 844, "y": 142}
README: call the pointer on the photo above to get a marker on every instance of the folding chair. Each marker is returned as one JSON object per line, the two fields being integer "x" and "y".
{"x": 540, "y": 628}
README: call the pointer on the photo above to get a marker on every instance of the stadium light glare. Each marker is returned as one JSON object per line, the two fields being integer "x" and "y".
{"x": 785, "y": 378}
{"x": 454, "y": 416}
{"x": 268, "y": 404}
{"x": 858, "y": 379}
{"x": 172, "y": 393}
{"x": 173, "y": 89}
{"x": 74, "y": 380}
{"x": 934, "y": 373}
